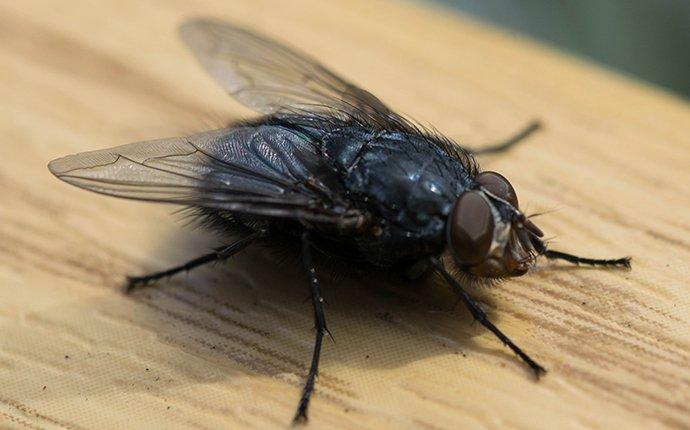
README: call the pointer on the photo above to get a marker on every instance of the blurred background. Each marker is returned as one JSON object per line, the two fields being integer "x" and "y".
{"x": 643, "y": 38}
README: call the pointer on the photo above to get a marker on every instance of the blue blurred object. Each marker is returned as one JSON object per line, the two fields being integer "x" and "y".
{"x": 645, "y": 38}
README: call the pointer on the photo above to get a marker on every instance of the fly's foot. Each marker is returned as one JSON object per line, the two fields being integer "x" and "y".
{"x": 137, "y": 282}
{"x": 300, "y": 418}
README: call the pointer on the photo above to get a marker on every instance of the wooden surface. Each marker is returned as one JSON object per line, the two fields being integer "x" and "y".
{"x": 229, "y": 347}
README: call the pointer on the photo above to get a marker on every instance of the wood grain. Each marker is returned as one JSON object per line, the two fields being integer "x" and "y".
{"x": 228, "y": 347}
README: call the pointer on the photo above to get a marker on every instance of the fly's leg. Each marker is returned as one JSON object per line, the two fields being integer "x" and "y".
{"x": 541, "y": 249}
{"x": 557, "y": 255}
{"x": 503, "y": 146}
{"x": 319, "y": 322}
{"x": 481, "y": 316}
{"x": 219, "y": 254}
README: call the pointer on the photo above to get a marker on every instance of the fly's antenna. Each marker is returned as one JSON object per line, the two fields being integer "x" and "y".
{"x": 546, "y": 212}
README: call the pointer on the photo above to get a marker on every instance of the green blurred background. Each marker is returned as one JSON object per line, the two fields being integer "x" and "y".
{"x": 649, "y": 39}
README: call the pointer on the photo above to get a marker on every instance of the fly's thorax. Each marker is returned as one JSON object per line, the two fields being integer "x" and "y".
{"x": 407, "y": 182}
{"x": 403, "y": 178}
{"x": 486, "y": 232}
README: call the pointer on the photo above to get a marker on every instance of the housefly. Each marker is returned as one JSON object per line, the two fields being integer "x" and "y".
{"x": 334, "y": 170}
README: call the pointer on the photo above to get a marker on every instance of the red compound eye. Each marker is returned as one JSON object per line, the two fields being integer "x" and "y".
{"x": 471, "y": 228}
{"x": 499, "y": 186}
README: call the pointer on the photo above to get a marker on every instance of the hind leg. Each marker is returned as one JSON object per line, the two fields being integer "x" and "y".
{"x": 219, "y": 254}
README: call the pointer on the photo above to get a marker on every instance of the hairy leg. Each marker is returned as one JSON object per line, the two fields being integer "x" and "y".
{"x": 481, "y": 316}
{"x": 219, "y": 254}
{"x": 319, "y": 322}
{"x": 557, "y": 255}
{"x": 510, "y": 142}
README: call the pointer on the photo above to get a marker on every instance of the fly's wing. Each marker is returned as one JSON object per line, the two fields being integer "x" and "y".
{"x": 254, "y": 170}
{"x": 271, "y": 78}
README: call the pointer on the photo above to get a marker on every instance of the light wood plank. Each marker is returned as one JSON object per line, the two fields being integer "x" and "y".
{"x": 229, "y": 347}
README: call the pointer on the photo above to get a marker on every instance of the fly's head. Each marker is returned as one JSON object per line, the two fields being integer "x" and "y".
{"x": 488, "y": 235}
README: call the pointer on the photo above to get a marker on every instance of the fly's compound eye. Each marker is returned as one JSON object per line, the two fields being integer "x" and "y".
{"x": 471, "y": 228}
{"x": 499, "y": 186}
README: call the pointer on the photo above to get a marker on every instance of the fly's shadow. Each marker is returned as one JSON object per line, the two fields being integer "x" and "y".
{"x": 255, "y": 303}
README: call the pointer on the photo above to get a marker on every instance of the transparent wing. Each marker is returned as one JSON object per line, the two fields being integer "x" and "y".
{"x": 252, "y": 170}
{"x": 271, "y": 78}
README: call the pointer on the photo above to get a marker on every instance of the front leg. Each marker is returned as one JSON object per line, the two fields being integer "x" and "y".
{"x": 614, "y": 262}
{"x": 319, "y": 322}
{"x": 510, "y": 142}
{"x": 541, "y": 249}
{"x": 481, "y": 316}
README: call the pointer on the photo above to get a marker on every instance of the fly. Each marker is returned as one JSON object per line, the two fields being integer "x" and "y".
{"x": 331, "y": 168}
